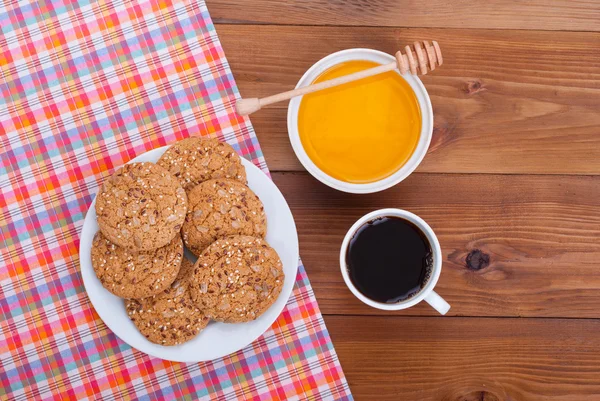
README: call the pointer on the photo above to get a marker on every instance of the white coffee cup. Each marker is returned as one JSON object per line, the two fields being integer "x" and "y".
{"x": 426, "y": 293}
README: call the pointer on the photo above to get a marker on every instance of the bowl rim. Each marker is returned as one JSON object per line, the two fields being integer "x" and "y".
{"x": 408, "y": 167}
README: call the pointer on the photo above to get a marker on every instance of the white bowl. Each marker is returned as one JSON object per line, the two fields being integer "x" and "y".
{"x": 426, "y": 123}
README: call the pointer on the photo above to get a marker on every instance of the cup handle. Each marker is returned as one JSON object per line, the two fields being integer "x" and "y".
{"x": 438, "y": 303}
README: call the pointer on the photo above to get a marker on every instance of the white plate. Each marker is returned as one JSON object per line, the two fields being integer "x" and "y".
{"x": 218, "y": 339}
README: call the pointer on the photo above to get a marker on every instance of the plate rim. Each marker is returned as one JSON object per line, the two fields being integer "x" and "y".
{"x": 286, "y": 293}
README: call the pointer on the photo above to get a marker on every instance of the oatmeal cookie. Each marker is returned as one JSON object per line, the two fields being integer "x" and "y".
{"x": 221, "y": 208}
{"x": 171, "y": 317}
{"x": 195, "y": 160}
{"x": 130, "y": 274}
{"x": 141, "y": 207}
{"x": 236, "y": 279}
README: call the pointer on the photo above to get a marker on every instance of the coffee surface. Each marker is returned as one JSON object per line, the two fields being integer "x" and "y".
{"x": 389, "y": 259}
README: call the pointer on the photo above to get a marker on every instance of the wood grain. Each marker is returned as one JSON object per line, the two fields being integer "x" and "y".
{"x": 541, "y": 233}
{"x": 468, "y": 359}
{"x": 504, "y": 101}
{"x": 562, "y": 15}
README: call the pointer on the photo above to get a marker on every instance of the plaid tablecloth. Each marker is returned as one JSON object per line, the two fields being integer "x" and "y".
{"x": 84, "y": 87}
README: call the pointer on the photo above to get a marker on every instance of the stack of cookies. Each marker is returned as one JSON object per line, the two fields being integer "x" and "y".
{"x": 196, "y": 194}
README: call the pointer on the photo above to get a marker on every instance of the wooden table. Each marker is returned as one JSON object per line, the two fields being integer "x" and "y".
{"x": 512, "y": 177}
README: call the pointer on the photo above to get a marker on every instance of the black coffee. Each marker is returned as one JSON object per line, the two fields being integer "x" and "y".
{"x": 389, "y": 259}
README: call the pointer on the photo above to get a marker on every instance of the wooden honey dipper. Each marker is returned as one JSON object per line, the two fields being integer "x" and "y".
{"x": 416, "y": 61}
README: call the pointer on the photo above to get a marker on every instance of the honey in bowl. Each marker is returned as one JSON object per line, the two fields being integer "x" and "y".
{"x": 362, "y": 131}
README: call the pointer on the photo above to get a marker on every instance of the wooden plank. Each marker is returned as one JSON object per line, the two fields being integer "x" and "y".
{"x": 562, "y": 15}
{"x": 541, "y": 233}
{"x": 468, "y": 359}
{"x": 504, "y": 101}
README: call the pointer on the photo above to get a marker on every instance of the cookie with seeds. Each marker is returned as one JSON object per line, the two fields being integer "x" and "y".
{"x": 195, "y": 160}
{"x": 130, "y": 274}
{"x": 141, "y": 207}
{"x": 171, "y": 317}
{"x": 236, "y": 279}
{"x": 221, "y": 208}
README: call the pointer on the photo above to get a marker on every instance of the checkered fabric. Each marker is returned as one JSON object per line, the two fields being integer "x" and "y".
{"x": 84, "y": 87}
